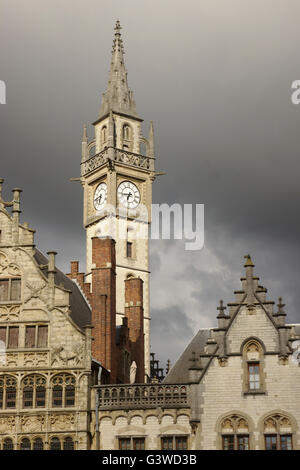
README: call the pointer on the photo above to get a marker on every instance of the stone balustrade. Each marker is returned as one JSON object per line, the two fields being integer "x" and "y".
{"x": 121, "y": 156}
{"x": 112, "y": 397}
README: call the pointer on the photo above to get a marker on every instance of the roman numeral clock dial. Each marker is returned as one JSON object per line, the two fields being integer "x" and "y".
{"x": 100, "y": 196}
{"x": 129, "y": 195}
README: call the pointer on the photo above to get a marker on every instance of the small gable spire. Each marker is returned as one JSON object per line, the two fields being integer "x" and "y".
{"x": 280, "y": 306}
{"x": 221, "y": 309}
{"x": 249, "y": 282}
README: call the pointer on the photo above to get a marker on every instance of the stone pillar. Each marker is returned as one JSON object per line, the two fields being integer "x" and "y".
{"x": 16, "y": 214}
{"x": 51, "y": 276}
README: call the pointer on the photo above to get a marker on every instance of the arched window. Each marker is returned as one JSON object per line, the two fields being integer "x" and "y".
{"x": 126, "y": 137}
{"x": 55, "y": 444}
{"x": 8, "y": 444}
{"x": 278, "y": 433}
{"x": 34, "y": 391}
{"x": 104, "y": 134}
{"x": 253, "y": 367}
{"x": 63, "y": 390}
{"x": 57, "y": 395}
{"x": 235, "y": 433}
{"x": 8, "y": 392}
{"x": 25, "y": 444}
{"x": 103, "y": 137}
{"x": 38, "y": 444}
{"x": 126, "y": 132}
{"x": 68, "y": 443}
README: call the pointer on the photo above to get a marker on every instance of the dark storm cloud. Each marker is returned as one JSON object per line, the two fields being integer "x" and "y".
{"x": 178, "y": 331}
{"x": 216, "y": 79}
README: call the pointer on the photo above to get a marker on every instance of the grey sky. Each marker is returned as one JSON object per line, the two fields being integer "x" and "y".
{"x": 215, "y": 77}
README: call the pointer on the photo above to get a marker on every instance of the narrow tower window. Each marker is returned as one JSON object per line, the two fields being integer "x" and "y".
{"x": 129, "y": 250}
{"x": 103, "y": 136}
{"x": 126, "y": 137}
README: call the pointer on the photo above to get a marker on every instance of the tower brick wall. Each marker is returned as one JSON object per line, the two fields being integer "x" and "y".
{"x": 103, "y": 299}
{"x": 134, "y": 312}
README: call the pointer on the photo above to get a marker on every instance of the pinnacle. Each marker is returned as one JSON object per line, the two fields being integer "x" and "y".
{"x": 280, "y": 306}
{"x": 118, "y": 97}
{"x": 221, "y": 308}
{"x": 248, "y": 261}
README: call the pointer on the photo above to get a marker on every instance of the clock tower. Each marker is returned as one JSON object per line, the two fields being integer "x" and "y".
{"x": 117, "y": 182}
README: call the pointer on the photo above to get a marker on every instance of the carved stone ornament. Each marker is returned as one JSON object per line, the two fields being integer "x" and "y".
{"x": 223, "y": 361}
{"x": 11, "y": 359}
{"x": 68, "y": 358}
{"x": 33, "y": 423}
{"x": 35, "y": 359}
{"x": 7, "y": 424}
{"x": 8, "y": 268}
{"x": 36, "y": 292}
{"x": 9, "y": 313}
{"x": 60, "y": 422}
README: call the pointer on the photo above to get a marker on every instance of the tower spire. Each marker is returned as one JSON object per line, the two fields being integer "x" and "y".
{"x": 118, "y": 97}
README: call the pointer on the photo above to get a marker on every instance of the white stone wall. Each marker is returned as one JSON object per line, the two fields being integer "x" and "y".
{"x": 221, "y": 391}
{"x": 142, "y": 423}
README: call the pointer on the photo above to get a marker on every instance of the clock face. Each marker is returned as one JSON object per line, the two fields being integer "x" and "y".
{"x": 100, "y": 196}
{"x": 129, "y": 195}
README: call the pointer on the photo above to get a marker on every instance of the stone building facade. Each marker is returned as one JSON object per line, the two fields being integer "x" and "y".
{"x": 244, "y": 375}
{"x": 236, "y": 386}
{"x": 45, "y": 337}
{"x": 75, "y": 348}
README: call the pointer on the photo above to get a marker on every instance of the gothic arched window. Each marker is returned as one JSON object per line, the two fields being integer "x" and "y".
{"x": 235, "y": 433}
{"x": 38, "y": 444}
{"x": 25, "y": 444}
{"x": 278, "y": 433}
{"x": 8, "y": 444}
{"x": 34, "y": 391}
{"x": 253, "y": 357}
{"x": 55, "y": 444}
{"x": 126, "y": 137}
{"x": 68, "y": 443}
{"x": 103, "y": 136}
{"x": 8, "y": 392}
{"x": 63, "y": 390}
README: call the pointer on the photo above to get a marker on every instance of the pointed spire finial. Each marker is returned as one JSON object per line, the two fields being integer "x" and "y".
{"x": 118, "y": 97}
{"x": 118, "y": 43}
{"x": 248, "y": 261}
{"x": 280, "y": 305}
{"x": 84, "y": 134}
{"x": 151, "y": 140}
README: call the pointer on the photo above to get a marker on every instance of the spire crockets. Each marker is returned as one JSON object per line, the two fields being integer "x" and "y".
{"x": 118, "y": 97}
